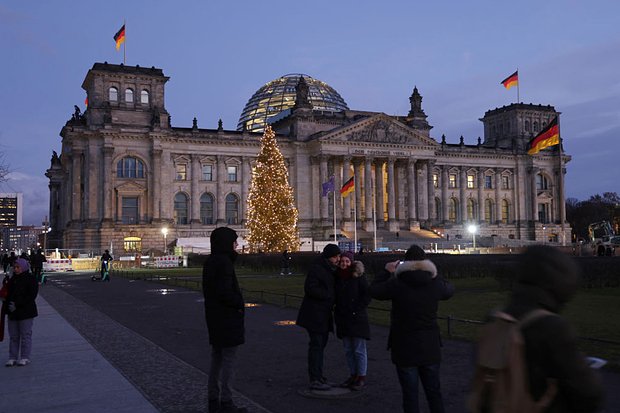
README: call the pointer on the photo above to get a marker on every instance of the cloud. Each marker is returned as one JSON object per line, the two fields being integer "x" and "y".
{"x": 36, "y": 195}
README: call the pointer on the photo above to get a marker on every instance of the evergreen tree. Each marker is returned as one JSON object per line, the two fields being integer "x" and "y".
{"x": 272, "y": 216}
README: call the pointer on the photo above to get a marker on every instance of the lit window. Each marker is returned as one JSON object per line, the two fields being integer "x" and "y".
{"x": 181, "y": 172}
{"x": 505, "y": 211}
{"x": 452, "y": 182}
{"x": 180, "y": 208}
{"x": 132, "y": 244}
{"x": 130, "y": 167}
{"x": 207, "y": 172}
{"x": 452, "y": 208}
{"x": 232, "y": 209}
{"x": 144, "y": 97}
{"x": 488, "y": 182}
{"x": 505, "y": 182}
{"x": 206, "y": 209}
{"x": 232, "y": 173}
{"x": 470, "y": 181}
{"x": 113, "y": 94}
{"x": 129, "y": 95}
{"x": 435, "y": 181}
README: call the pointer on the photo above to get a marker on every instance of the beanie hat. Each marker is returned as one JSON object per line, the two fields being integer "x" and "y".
{"x": 23, "y": 264}
{"x": 347, "y": 254}
{"x": 331, "y": 250}
{"x": 415, "y": 253}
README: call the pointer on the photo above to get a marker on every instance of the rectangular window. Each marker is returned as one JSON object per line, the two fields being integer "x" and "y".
{"x": 470, "y": 181}
{"x": 452, "y": 182}
{"x": 181, "y": 172}
{"x": 505, "y": 182}
{"x": 488, "y": 182}
{"x": 232, "y": 173}
{"x": 435, "y": 180}
{"x": 207, "y": 172}
{"x": 130, "y": 212}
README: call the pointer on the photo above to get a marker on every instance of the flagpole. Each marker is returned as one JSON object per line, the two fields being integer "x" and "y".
{"x": 125, "y": 43}
{"x": 562, "y": 203}
{"x": 374, "y": 211}
{"x": 335, "y": 239}
{"x": 518, "y": 82}
{"x": 354, "y": 215}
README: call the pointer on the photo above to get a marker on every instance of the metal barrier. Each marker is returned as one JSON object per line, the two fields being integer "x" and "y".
{"x": 64, "y": 264}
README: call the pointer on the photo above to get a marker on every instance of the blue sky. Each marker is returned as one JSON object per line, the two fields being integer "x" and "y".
{"x": 218, "y": 54}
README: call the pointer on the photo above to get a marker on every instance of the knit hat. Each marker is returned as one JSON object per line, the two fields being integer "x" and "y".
{"x": 415, "y": 253}
{"x": 347, "y": 254}
{"x": 23, "y": 264}
{"x": 331, "y": 250}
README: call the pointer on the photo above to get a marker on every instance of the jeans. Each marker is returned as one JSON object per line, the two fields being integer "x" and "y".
{"x": 316, "y": 347}
{"x": 221, "y": 373}
{"x": 429, "y": 375}
{"x": 355, "y": 350}
{"x": 20, "y": 333}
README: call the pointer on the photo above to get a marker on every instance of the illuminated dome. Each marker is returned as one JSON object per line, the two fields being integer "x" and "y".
{"x": 279, "y": 95}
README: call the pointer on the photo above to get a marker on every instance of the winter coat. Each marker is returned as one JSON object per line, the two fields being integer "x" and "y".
{"x": 415, "y": 290}
{"x": 224, "y": 306}
{"x": 23, "y": 290}
{"x": 315, "y": 313}
{"x": 352, "y": 299}
{"x": 551, "y": 351}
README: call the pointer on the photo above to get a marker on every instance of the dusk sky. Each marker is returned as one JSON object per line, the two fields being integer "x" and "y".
{"x": 373, "y": 53}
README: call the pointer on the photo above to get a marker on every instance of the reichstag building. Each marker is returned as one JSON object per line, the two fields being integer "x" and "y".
{"x": 124, "y": 172}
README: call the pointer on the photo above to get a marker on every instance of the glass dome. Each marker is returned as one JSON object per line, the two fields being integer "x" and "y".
{"x": 279, "y": 95}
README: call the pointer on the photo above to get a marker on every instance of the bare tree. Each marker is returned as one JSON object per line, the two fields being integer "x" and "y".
{"x": 4, "y": 169}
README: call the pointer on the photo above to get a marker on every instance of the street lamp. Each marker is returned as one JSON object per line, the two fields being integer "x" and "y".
{"x": 472, "y": 230}
{"x": 544, "y": 235}
{"x": 164, "y": 231}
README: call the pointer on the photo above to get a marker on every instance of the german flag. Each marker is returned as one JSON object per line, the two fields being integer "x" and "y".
{"x": 547, "y": 137}
{"x": 348, "y": 187}
{"x": 512, "y": 80}
{"x": 119, "y": 37}
{"x": 86, "y": 102}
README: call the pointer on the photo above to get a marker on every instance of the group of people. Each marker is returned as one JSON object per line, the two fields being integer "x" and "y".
{"x": 337, "y": 292}
{"x": 35, "y": 261}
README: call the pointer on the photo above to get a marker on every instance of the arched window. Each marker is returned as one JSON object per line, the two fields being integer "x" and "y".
{"x": 488, "y": 211}
{"x": 438, "y": 211}
{"x": 472, "y": 210}
{"x": 232, "y": 209}
{"x": 527, "y": 125}
{"x": 130, "y": 167}
{"x": 541, "y": 182}
{"x": 113, "y": 94}
{"x": 128, "y": 95}
{"x": 206, "y": 209}
{"x": 144, "y": 96}
{"x": 452, "y": 208}
{"x": 505, "y": 211}
{"x": 180, "y": 208}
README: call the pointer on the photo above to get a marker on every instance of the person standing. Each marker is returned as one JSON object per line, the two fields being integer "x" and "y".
{"x": 106, "y": 260}
{"x": 37, "y": 265}
{"x": 351, "y": 316}
{"x": 224, "y": 313}
{"x": 21, "y": 309}
{"x": 315, "y": 313}
{"x": 285, "y": 263}
{"x": 415, "y": 289}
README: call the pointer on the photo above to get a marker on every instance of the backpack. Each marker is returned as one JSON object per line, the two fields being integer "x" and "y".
{"x": 500, "y": 383}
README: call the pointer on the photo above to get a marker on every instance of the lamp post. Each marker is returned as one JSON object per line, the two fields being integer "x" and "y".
{"x": 164, "y": 231}
{"x": 472, "y": 230}
{"x": 544, "y": 235}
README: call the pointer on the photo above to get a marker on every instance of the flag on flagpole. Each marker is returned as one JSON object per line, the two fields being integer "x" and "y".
{"x": 348, "y": 187}
{"x": 86, "y": 102}
{"x": 119, "y": 37}
{"x": 512, "y": 80}
{"x": 328, "y": 186}
{"x": 547, "y": 137}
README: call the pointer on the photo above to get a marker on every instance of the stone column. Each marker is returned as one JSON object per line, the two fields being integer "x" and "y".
{"x": 108, "y": 169}
{"x": 337, "y": 185}
{"x": 498, "y": 206}
{"x": 76, "y": 190}
{"x": 462, "y": 186}
{"x": 246, "y": 176}
{"x": 346, "y": 174}
{"x": 533, "y": 193}
{"x": 391, "y": 191}
{"x": 380, "y": 192}
{"x": 480, "y": 216}
{"x": 323, "y": 178}
{"x": 221, "y": 190}
{"x": 156, "y": 184}
{"x": 561, "y": 202}
{"x": 195, "y": 196}
{"x": 357, "y": 164}
{"x": 430, "y": 190}
{"x": 368, "y": 198}
{"x": 444, "y": 192}
{"x": 411, "y": 185}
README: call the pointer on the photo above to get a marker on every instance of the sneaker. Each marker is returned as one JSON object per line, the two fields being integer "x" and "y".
{"x": 23, "y": 362}
{"x": 358, "y": 384}
{"x": 317, "y": 385}
{"x": 348, "y": 381}
{"x": 10, "y": 363}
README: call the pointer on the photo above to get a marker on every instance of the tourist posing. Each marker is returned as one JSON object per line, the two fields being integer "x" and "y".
{"x": 351, "y": 316}
{"x": 415, "y": 289}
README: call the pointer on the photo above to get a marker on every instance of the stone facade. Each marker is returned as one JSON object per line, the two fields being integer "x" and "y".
{"x": 125, "y": 173}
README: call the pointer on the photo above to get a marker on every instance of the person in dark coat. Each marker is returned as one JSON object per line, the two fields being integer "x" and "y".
{"x": 285, "y": 263}
{"x": 415, "y": 289}
{"x": 351, "y": 316}
{"x": 547, "y": 279}
{"x": 224, "y": 312}
{"x": 315, "y": 313}
{"x": 37, "y": 264}
{"x": 21, "y": 309}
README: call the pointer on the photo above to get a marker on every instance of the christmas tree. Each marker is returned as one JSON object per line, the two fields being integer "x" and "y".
{"x": 272, "y": 216}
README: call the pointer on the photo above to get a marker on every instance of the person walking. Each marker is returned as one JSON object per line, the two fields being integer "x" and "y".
{"x": 285, "y": 263}
{"x": 21, "y": 309}
{"x": 224, "y": 313}
{"x": 415, "y": 289}
{"x": 315, "y": 313}
{"x": 351, "y": 317}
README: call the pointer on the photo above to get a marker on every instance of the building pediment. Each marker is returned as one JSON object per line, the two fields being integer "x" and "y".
{"x": 130, "y": 187}
{"x": 378, "y": 129}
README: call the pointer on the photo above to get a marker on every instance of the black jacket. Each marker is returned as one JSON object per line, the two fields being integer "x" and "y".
{"x": 315, "y": 313}
{"x": 23, "y": 290}
{"x": 352, "y": 299}
{"x": 224, "y": 306}
{"x": 415, "y": 291}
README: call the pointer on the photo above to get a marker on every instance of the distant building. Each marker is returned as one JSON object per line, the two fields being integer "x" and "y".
{"x": 11, "y": 209}
{"x": 22, "y": 238}
{"x": 125, "y": 173}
